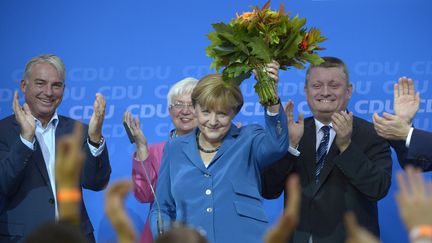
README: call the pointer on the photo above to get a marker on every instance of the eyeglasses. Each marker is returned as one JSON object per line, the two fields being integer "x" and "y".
{"x": 180, "y": 106}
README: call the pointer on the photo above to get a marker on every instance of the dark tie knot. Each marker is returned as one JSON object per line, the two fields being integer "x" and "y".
{"x": 325, "y": 129}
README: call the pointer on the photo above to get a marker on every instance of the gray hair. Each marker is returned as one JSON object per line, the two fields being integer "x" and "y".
{"x": 184, "y": 86}
{"x": 52, "y": 59}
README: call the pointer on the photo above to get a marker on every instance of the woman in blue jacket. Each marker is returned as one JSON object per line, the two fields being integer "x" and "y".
{"x": 210, "y": 178}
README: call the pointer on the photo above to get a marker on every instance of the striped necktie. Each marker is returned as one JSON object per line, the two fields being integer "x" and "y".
{"x": 322, "y": 152}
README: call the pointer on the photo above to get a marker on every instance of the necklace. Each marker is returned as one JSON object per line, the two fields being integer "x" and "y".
{"x": 208, "y": 151}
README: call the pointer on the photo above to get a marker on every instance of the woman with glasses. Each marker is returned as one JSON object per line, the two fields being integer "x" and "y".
{"x": 147, "y": 158}
{"x": 210, "y": 178}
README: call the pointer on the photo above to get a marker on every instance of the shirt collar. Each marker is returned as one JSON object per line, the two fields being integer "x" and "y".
{"x": 53, "y": 121}
{"x": 319, "y": 124}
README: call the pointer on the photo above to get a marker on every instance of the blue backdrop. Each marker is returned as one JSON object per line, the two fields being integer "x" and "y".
{"x": 133, "y": 51}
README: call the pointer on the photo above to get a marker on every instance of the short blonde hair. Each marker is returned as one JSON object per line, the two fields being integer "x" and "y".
{"x": 212, "y": 92}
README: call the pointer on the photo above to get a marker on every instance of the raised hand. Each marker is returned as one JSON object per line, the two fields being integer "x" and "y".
{"x": 391, "y": 127}
{"x": 343, "y": 126}
{"x": 273, "y": 71}
{"x": 69, "y": 158}
{"x": 115, "y": 210}
{"x": 140, "y": 140}
{"x": 284, "y": 228}
{"x": 97, "y": 118}
{"x": 355, "y": 232}
{"x": 68, "y": 167}
{"x": 24, "y": 118}
{"x": 296, "y": 129}
{"x": 414, "y": 198}
{"x": 406, "y": 100}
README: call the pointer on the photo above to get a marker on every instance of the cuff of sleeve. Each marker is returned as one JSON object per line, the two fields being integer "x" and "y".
{"x": 271, "y": 113}
{"x": 293, "y": 151}
{"x": 96, "y": 151}
{"x": 408, "y": 139}
{"x": 29, "y": 144}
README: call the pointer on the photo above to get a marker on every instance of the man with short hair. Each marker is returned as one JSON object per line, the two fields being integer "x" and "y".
{"x": 27, "y": 153}
{"x": 342, "y": 163}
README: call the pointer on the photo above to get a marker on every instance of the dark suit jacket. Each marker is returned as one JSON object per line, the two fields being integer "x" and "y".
{"x": 25, "y": 190}
{"x": 419, "y": 152}
{"x": 353, "y": 180}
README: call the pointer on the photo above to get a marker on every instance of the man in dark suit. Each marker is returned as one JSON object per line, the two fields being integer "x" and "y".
{"x": 411, "y": 145}
{"x": 342, "y": 163}
{"x": 27, "y": 153}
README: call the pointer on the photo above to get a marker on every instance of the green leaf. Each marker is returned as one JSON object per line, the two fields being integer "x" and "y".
{"x": 222, "y": 28}
{"x": 223, "y": 50}
{"x": 313, "y": 58}
{"x": 237, "y": 72}
{"x": 239, "y": 44}
{"x": 260, "y": 49}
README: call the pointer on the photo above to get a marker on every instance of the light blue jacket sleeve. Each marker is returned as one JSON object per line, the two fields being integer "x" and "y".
{"x": 271, "y": 144}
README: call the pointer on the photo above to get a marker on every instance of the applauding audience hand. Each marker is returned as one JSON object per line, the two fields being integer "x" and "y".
{"x": 115, "y": 210}
{"x": 415, "y": 203}
{"x": 281, "y": 232}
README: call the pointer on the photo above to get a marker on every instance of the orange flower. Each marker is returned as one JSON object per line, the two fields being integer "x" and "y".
{"x": 304, "y": 44}
{"x": 246, "y": 16}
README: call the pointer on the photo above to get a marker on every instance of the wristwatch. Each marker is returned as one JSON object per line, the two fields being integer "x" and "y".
{"x": 97, "y": 144}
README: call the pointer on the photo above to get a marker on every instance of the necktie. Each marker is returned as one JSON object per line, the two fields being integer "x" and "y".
{"x": 322, "y": 151}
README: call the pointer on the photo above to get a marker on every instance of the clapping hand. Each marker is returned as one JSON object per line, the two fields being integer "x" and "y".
{"x": 115, "y": 210}
{"x": 97, "y": 119}
{"x": 406, "y": 100}
{"x": 296, "y": 129}
{"x": 24, "y": 118}
{"x": 343, "y": 125}
{"x": 284, "y": 228}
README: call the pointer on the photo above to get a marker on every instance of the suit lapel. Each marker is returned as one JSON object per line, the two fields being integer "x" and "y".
{"x": 189, "y": 148}
{"x": 227, "y": 142}
{"x": 40, "y": 162}
{"x": 64, "y": 126}
{"x": 37, "y": 157}
{"x": 308, "y": 151}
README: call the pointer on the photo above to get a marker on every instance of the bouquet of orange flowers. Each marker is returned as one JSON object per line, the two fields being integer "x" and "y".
{"x": 253, "y": 39}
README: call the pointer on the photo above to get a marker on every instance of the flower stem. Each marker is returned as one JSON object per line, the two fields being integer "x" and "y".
{"x": 265, "y": 86}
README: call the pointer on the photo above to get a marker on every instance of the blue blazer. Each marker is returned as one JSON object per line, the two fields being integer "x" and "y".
{"x": 419, "y": 152}
{"x": 26, "y": 196}
{"x": 223, "y": 200}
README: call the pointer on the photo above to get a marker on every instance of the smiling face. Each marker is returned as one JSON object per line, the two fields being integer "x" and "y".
{"x": 327, "y": 91}
{"x": 214, "y": 124}
{"x": 43, "y": 89}
{"x": 182, "y": 114}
